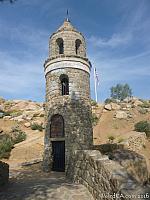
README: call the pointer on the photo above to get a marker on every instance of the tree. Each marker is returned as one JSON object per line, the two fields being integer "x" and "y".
{"x": 121, "y": 92}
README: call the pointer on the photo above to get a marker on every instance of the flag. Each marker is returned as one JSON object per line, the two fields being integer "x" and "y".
{"x": 96, "y": 77}
{"x": 96, "y": 83}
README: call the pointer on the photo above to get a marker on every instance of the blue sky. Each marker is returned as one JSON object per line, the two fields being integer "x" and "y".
{"x": 118, "y": 43}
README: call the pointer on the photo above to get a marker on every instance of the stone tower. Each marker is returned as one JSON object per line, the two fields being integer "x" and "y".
{"x": 68, "y": 109}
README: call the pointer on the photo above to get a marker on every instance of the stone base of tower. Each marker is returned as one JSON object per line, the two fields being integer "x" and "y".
{"x": 77, "y": 129}
{"x": 47, "y": 159}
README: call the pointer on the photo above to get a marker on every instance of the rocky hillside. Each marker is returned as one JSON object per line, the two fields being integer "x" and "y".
{"x": 114, "y": 123}
{"x": 118, "y": 119}
{"x": 117, "y": 125}
{"x": 27, "y": 117}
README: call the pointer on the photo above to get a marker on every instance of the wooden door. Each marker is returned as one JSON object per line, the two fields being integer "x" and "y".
{"x": 58, "y": 152}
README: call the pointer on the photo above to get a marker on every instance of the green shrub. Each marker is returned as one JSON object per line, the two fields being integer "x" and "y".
{"x": 15, "y": 113}
{"x": 7, "y": 141}
{"x": 94, "y": 119}
{"x": 1, "y": 114}
{"x": 145, "y": 105}
{"x": 19, "y": 137}
{"x": 144, "y": 146}
{"x": 110, "y": 100}
{"x": 142, "y": 111}
{"x": 42, "y": 115}
{"x": 143, "y": 126}
{"x": 6, "y": 144}
{"x": 120, "y": 140}
{"x": 93, "y": 103}
{"x": 111, "y": 138}
{"x": 7, "y": 113}
{"x": 115, "y": 126}
{"x": 36, "y": 126}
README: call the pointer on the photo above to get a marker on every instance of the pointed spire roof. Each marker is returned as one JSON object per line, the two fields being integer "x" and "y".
{"x": 66, "y": 26}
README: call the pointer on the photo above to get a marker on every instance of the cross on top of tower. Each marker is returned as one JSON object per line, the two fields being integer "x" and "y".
{"x": 67, "y": 18}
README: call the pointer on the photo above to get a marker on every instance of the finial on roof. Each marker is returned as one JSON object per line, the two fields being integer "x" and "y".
{"x": 67, "y": 19}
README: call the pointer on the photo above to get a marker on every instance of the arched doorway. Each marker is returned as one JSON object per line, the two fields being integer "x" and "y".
{"x": 58, "y": 143}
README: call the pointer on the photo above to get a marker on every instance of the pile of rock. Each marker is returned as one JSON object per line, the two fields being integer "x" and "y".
{"x": 22, "y": 111}
{"x": 123, "y": 109}
{"x": 127, "y": 105}
{"x": 37, "y": 122}
{"x": 136, "y": 141}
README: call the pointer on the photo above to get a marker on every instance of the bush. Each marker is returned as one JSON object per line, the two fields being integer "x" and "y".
{"x": 120, "y": 140}
{"x": 19, "y": 137}
{"x": 110, "y": 100}
{"x": 145, "y": 105}
{"x": 94, "y": 119}
{"x": 36, "y": 126}
{"x": 143, "y": 126}
{"x": 6, "y": 144}
{"x": 1, "y": 114}
{"x": 15, "y": 113}
{"x": 93, "y": 103}
{"x": 111, "y": 138}
{"x": 143, "y": 111}
{"x": 7, "y": 113}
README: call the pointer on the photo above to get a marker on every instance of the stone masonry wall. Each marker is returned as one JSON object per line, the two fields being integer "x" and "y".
{"x": 77, "y": 127}
{"x": 104, "y": 178}
{"x": 79, "y": 85}
{"x": 69, "y": 38}
{"x": 75, "y": 109}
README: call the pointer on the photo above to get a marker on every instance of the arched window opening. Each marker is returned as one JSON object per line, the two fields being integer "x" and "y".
{"x": 78, "y": 46}
{"x": 60, "y": 45}
{"x": 57, "y": 126}
{"x": 64, "y": 84}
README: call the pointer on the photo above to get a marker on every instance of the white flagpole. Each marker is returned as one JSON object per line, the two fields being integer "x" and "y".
{"x": 95, "y": 83}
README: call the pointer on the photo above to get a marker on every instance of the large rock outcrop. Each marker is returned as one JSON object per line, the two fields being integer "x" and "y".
{"x": 134, "y": 163}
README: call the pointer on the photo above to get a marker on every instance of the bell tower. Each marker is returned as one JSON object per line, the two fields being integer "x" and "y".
{"x": 68, "y": 109}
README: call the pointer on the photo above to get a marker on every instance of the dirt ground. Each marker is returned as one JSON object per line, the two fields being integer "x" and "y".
{"x": 30, "y": 183}
{"x": 120, "y": 129}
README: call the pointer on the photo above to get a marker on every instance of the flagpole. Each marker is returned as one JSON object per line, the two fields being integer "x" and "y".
{"x": 95, "y": 84}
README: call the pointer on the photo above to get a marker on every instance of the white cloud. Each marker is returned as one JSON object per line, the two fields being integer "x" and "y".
{"x": 133, "y": 26}
{"x": 127, "y": 68}
{"x": 21, "y": 78}
{"x": 116, "y": 39}
{"x": 130, "y": 57}
{"x": 26, "y": 35}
